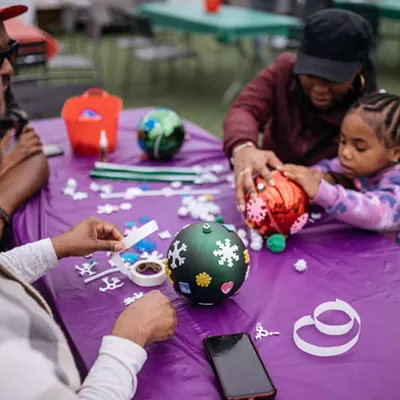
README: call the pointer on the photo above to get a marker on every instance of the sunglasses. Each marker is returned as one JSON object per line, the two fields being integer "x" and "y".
{"x": 10, "y": 52}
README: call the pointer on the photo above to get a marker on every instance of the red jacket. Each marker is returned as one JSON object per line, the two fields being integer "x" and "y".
{"x": 275, "y": 104}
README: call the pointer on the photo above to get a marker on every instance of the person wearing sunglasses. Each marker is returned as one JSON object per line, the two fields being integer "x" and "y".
{"x": 23, "y": 166}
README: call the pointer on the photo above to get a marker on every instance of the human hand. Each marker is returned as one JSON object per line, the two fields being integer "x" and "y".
{"x": 247, "y": 162}
{"x": 323, "y": 176}
{"x": 152, "y": 318}
{"x": 90, "y": 235}
{"x": 28, "y": 145}
{"x": 303, "y": 176}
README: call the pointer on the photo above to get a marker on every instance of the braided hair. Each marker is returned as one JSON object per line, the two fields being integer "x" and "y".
{"x": 381, "y": 111}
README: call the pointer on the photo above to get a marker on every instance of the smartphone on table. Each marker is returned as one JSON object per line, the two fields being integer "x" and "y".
{"x": 238, "y": 367}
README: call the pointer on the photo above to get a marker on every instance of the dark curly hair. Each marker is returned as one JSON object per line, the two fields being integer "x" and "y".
{"x": 381, "y": 111}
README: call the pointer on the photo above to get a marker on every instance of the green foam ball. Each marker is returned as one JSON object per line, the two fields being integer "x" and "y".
{"x": 276, "y": 243}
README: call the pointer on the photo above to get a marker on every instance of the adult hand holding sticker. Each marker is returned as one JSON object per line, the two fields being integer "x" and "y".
{"x": 88, "y": 236}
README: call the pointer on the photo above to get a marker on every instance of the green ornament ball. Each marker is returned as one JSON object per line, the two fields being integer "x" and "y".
{"x": 207, "y": 263}
{"x": 276, "y": 243}
{"x": 161, "y": 134}
{"x": 219, "y": 220}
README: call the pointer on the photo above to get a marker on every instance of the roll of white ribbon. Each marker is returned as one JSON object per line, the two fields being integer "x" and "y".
{"x": 133, "y": 238}
{"x": 332, "y": 330}
{"x": 147, "y": 280}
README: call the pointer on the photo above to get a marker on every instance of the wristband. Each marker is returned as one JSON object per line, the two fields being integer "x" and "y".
{"x": 239, "y": 148}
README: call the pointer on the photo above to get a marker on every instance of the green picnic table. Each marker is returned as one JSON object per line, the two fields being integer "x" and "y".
{"x": 387, "y": 8}
{"x": 229, "y": 25}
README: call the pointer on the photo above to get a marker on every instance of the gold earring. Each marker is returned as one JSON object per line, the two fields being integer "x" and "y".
{"x": 362, "y": 82}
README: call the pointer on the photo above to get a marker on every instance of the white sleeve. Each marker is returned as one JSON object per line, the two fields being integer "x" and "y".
{"x": 31, "y": 261}
{"x": 113, "y": 375}
{"x": 27, "y": 374}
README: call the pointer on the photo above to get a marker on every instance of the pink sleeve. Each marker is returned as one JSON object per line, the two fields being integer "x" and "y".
{"x": 327, "y": 166}
{"x": 378, "y": 210}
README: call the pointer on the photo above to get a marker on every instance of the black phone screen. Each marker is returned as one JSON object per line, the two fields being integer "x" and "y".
{"x": 238, "y": 366}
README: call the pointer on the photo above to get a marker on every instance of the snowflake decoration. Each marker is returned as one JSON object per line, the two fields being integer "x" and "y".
{"x": 226, "y": 253}
{"x": 168, "y": 272}
{"x": 316, "y": 216}
{"x": 86, "y": 268}
{"x": 80, "y": 196}
{"x": 106, "y": 189}
{"x": 300, "y": 265}
{"x": 68, "y": 191}
{"x": 72, "y": 183}
{"x": 107, "y": 209}
{"x": 176, "y": 254}
{"x": 203, "y": 279}
{"x": 256, "y": 209}
{"x": 114, "y": 284}
{"x": 261, "y": 332}
{"x": 299, "y": 223}
{"x": 133, "y": 298}
{"x": 94, "y": 187}
{"x": 246, "y": 256}
{"x": 155, "y": 256}
{"x": 129, "y": 257}
{"x": 125, "y": 206}
{"x": 164, "y": 235}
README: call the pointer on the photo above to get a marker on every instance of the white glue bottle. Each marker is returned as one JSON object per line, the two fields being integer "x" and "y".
{"x": 103, "y": 146}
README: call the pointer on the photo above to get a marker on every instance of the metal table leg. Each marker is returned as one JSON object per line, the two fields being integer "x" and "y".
{"x": 241, "y": 74}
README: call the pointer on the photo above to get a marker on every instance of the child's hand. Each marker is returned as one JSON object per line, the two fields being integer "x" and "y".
{"x": 305, "y": 177}
{"x": 326, "y": 177}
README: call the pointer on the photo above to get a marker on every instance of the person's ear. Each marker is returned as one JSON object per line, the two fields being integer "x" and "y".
{"x": 394, "y": 155}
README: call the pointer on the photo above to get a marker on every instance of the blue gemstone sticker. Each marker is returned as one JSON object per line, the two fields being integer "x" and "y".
{"x": 144, "y": 220}
{"x": 185, "y": 288}
{"x": 130, "y": 224}
{"x": 230, "y": 228}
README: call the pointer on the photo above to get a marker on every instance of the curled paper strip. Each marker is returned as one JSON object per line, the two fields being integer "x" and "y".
{"x": 133, "y": 238}
{"x": 136, "y": 273}
{"x": 332, "y": 330}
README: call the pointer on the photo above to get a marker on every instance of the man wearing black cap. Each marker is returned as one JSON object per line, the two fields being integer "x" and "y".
{"x": 298, "y": 104}
{"x": 24, "y": 170}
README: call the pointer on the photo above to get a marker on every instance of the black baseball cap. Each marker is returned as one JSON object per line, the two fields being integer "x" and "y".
{"x": 334, "y": 44}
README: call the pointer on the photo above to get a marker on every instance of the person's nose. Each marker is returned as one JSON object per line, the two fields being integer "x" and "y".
{"x": 6, "y": 68}
{"x": 320, "y": 87}
{"x": 346, "y": 153}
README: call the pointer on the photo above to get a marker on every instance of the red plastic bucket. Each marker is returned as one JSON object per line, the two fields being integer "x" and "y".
{"x": 86, "y": 116}
{"x": 212, "y": 6}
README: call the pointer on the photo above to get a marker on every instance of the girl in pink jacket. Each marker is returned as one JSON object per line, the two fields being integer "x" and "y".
{"x": 369, "y": 158}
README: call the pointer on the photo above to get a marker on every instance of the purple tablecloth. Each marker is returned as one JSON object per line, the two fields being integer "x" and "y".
{"x": 358, "y": 267}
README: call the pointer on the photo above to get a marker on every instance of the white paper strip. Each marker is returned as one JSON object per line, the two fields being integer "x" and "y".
{"x": 332, "y": 330}
{"x": 133, "y": 238}
{"x": 162, "y": 192}
{"x": 101, "y": 274}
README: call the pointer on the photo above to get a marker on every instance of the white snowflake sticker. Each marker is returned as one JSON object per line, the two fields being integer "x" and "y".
{"x": 226, "y": 253}
{"x": 256, "y": 210}
{"x": 133, "y": 298}
{"x": 176, "y": 254}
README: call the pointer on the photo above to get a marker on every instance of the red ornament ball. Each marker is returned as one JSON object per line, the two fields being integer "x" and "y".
{"x": 282, "y": 208}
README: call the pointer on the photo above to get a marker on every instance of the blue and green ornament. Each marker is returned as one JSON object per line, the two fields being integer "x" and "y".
{"x": 161, "y": 134}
